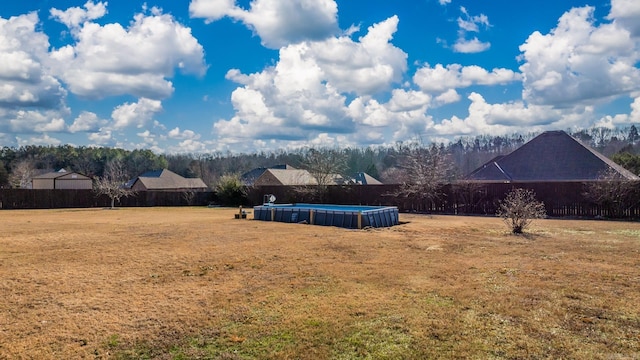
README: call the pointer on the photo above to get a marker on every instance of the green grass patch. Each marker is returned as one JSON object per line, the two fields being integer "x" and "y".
{"x": 378, "y": 338}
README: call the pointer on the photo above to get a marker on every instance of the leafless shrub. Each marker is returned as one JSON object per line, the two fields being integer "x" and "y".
{"x": 519, "y": 209}
{"x": 189, "y": 196}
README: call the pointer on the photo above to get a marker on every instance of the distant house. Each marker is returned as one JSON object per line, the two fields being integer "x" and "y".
{"x": 303, "y": 177}
{"x": 250, "y": 177}
{"x": 165, "y": 180}
{"x": 285, "y": 177}
{"x": 62, "y": 179}
{"x": 551, "y": 156}
{"x": 363, "y": 178}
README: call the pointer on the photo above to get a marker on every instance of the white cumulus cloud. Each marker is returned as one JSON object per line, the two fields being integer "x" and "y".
{"x": 471, "y": 24}
{"x": 470, "y": 46}
{"x": 32, "y": 100}
{"x": 135, "y": 114}
{"x": 86, "y": 122}
{"x": 505, "y": 118}
{"x": 42, "y": 140}
{"x": 581, "y": 61}
{"x": 75, "y": 16}
{"x": 25, "y": 79}
{"x": 278, "y": 23}
{"x": 103, "y": 137}
{"x": 34, "y": 121}
{"x": 211, "y": 10}
{"x": 618, "y": 120}
{"x": 175, "y": 133}
{"x": 304, "y": 93}
{"x": 439, "y": 79}
{"x": 108, "y": 60}
{"x": 627, "y": 13}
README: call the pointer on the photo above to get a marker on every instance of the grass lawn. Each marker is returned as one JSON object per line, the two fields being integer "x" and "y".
{"x": 194, "y": 283}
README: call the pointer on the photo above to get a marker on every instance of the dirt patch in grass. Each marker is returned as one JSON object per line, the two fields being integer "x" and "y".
{"x": 187, "y": 283}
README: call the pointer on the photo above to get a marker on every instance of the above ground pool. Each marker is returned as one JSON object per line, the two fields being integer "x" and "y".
{"x": 346, "y": 216}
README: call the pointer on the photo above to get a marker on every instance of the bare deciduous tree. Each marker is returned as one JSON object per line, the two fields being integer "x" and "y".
{"x": 468, "y": 194}
{"x": 21, "y": 174}
{"x": 424, "y": 171}
{"x": 112, "y": 183}
{"x": 327, "y": 167}
{"x": 612, "y": 192}
{"x": 519, "y": 209}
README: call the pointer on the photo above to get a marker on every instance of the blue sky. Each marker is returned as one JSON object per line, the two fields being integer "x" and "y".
{"x": 265, "y": 75}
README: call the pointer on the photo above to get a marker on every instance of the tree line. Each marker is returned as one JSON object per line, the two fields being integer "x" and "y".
{"x": 388, "y": 163}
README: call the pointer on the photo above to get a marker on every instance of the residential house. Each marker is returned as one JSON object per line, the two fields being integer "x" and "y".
{"x": 62, "y": 179}
{"x": 165, "y": 180}
{"x": 362, "y": 178}
{"x": 303, "y": 177}
{"x": 553, "y": 156}
{"x": 285, "y": 177}
{"x": 250, "y": 177}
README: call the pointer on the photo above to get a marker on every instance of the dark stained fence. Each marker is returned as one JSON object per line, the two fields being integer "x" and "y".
{"x": 54, "y": 199}
{"x": 561, "y": 199}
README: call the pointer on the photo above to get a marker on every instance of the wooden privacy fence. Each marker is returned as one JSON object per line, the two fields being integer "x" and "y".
{"x": 53, "y": 199}
{"x": 561, "y": 199}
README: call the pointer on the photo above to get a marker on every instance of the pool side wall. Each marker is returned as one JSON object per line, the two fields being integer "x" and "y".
{"x": 340, "y": 216}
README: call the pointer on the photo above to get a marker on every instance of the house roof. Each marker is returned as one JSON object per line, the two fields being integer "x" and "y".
{"x": 551, "y": 156}
{"x": 366, "y": 179}
{"x": 304, "y": 177}
{"x": 250, "y": 176}
{"x": 165, "y": 180}
{"x": 60, "y": 173}
{"x": 291, "y": 177}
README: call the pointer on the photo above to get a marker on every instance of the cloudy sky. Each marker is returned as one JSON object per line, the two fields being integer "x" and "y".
{"x": 246, "y": 76}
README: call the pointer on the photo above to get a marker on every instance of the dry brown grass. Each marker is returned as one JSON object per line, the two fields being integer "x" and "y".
{"x": 182, "y": 283}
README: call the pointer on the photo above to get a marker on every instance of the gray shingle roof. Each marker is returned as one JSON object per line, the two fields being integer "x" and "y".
{"x": 168, "y": 180}
{"x": 292, "y": 177}
{"x": 59, "y": 174}
{"x": 251, "y": 176}
{"x": 551, "y": 156}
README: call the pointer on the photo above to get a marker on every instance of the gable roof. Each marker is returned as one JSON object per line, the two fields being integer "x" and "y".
{"x": 166, "y": 180}
{"x": 61, "y": 173}
{"x": 551, "y": 156}
{"x": 304, "y": 177}
{"x": 250, "y": 176}
{"x": 363, "y": 178}
{"x": 286, "y": 177}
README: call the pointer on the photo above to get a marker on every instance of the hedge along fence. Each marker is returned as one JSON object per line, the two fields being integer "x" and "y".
{"x": 561, "y": 199}
{"x": 53, "y": 199}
